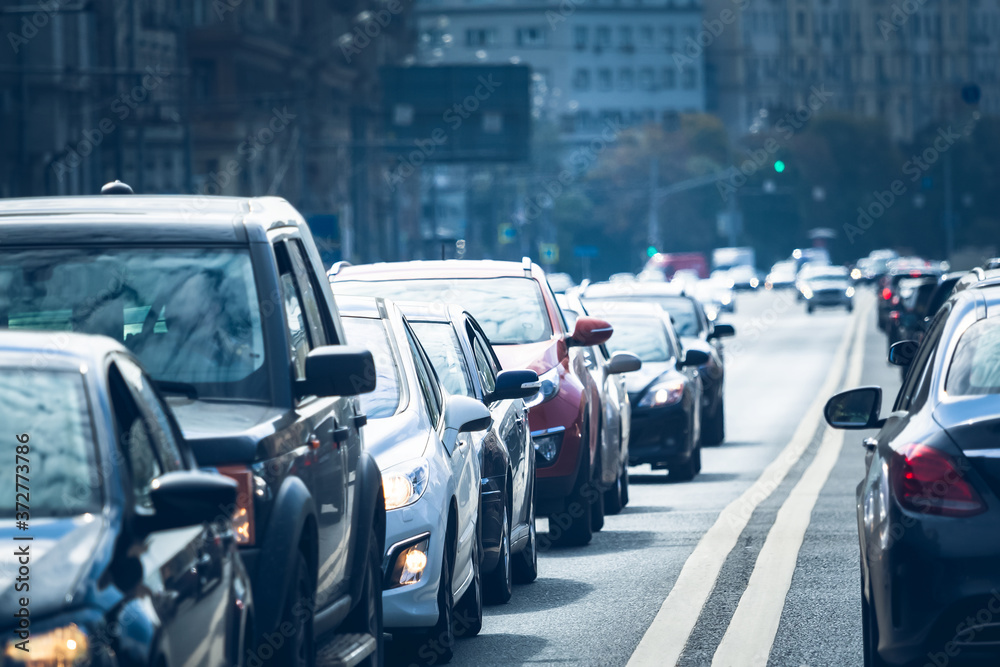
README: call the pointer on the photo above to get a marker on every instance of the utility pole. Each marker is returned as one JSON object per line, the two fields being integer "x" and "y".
{"x": 949, "y": 213}
{"x": 653, "y": 231}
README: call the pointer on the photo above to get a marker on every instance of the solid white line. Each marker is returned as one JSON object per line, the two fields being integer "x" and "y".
{"x": 667, "y": 635}
{"x": 752, "y": 629}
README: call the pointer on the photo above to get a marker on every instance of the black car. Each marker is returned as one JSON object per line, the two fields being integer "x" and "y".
{"x": 928, "y": 508}
{"x": 224, "y": 302}
{"x": 696, "y": 332}
{"x": 666, "y": 393}
{"x": 118, "y": 551}
{"x": 907, "y": 319}
{"x": 888, "y": 285}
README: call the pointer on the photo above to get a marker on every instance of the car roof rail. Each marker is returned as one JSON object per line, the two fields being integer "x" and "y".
{"x": 526, "y": 265}
{"x": 116, "y": 187}
{"x": 337, "y": 266}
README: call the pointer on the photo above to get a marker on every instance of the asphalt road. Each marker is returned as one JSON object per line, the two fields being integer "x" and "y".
{"x": 782, "y": 484}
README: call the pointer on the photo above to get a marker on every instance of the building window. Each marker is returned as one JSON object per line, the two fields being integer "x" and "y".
{"x": 604, "y": 79}
{"x": 581, "y": 79}
{"x": 626, "y": 78}
{"x": 625, "y": 38}
{"x": 669, "y": 78}
{"x": 689, "y": 77}
{"x": 477, "y": 37}
{"x": 603, "y": 37}
{"x": 580, "y": 37}
{"x": 800, "y": 23}
{"x": 646, "y": 37}
{"x": 668, "y": 35}
{"x": 646, "y": 78}
{"x": 532, "y": 37}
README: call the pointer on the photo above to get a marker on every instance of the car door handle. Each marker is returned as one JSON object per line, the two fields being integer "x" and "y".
{"x": 870, "y": 443}
{"x": 359, "y": 420}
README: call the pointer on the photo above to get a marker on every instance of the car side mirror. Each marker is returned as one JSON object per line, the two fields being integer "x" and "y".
{"x": 188, "y": 498}
{"x": 463, "y": 415}
{"x": 903, "y": 352}
{"x": 694, "y": 358}
{"x": 590, "y": 331}
{"x": 722, "y": 331}
{"x": 623, "y": 362}
{"x": 338, "y": 370}
{"x": 513, "y": 385}
{"x": 855, "y": 409}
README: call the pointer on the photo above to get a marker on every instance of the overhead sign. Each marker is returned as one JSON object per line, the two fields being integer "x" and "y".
{"x": 548, "y": 252}
{"x": 506, "y": 233}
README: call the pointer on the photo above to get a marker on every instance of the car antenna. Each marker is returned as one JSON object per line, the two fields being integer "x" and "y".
{"x": 117, "y": 188}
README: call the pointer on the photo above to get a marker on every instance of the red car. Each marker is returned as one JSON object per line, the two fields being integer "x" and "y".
{"x": 519, "y": 314}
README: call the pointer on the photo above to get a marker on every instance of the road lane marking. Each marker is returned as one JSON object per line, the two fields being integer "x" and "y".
{"x": 667, "y": 635}
{"x": 754, "y": 625}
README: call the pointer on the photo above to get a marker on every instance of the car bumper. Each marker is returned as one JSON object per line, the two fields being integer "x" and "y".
{"x": 658, "y": 435}
{"x": 829, "y": 299}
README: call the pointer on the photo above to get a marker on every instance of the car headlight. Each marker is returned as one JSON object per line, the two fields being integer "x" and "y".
{"x": 403, "y": 485}
{"x": 549, "y": 388}
{"x": 849, "y": 291}
{"x": 664, "y": 393}
{"x": 806, "y": 292}
{"x": 61, "y": 647}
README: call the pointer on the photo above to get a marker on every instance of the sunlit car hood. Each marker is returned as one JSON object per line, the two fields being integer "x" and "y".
{"x": 538, "y": 357}
{"x": 638, "y": 382}
{"x": 60, "y": 555}
{"x": 396, "y": 439}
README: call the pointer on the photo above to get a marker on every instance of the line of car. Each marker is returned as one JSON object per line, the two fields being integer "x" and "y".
{"x": 251, "y": 460}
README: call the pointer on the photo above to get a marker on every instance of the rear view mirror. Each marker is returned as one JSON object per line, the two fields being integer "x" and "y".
{"x": 623, "y": 362}
{"x": 338, "y": 370}
{"x": 463, "y": 415}
{"x": 590, "y": 331}
{"x": 514, "y": 384}
{"x": 722, "y": 331}
{"x": 694, "y": 358}
{"x": 855, "y": 409}
{"x": 187, "y": 498}
{"x": 903, "y": 352}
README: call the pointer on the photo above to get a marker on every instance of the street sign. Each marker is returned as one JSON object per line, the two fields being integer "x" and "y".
{"x": 585, "y": 251}
{"x": 506, "y": 233}
{"x": 549, "y": 253}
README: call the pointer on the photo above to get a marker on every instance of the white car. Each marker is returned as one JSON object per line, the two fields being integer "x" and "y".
{"x": 419, "y": 435}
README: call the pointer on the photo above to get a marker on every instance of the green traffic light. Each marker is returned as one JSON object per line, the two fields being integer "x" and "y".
{"x": 779, "y": 166}
{"x": 650, "y": 251}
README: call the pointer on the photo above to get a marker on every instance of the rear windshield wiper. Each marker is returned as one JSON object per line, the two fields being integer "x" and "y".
{"x": 182, "y": 388}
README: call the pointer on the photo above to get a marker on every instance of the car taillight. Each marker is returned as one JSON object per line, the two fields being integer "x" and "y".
{"x": 928, "y": 481}
{"x": 242, "y": 514}
{"x": 886, "y": 293}
{"x": 893, "y": 314}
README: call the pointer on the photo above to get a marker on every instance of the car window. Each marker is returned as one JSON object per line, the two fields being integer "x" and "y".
{"x": 644, "y": 337}
{"x": 916, "y": 386}
{"x": 683, "y": 311}
{"x": 371, "y": 333}
{"x": 154, "y": 413}
{"x": 298, "y": 338}
{"x": 484, "y": 367}
{"x": 975, "y": 368}
{"x": 425, "y": 378}
{"x": 190, "y": 315}
{"x": 510, "y": 310}
{"x": 62, "y": 469}
{"x": 318, "y": 327}
{"x": 445, "y": 352}
{"x": 135, "y": 440}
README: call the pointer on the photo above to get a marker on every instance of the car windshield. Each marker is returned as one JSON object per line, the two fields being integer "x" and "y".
{"x": 645, "y": 337}
{"x": 683, "y": 311}
{"x": 372, "y": 334}
{"x": 61, "y": 470}
{"x": 441, "y": 344}
{"x": 829, "y": 274}
{"x": 191, "y": 316}
{"x": 510, "y": 310}
{"x": 975, "y": 368}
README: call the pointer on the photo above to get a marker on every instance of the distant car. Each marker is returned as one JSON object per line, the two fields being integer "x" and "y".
{"x": 906, "y": 320}
{"x": 616, "y": 412}
{"x": 716, "y": 292}
{"x": 666, "y": 393}
{"x": 461, "y": 353}
{"x": 782, "y": 275}
{"x": 560, "y": 282}
{"x": 888, "y": 285}
{"x": 744, "y": 277}
{"x": 695, "y": 331}
{"x": 516, "y": 308}
{"x": 134, "y": 558}
{"x": 826, "y": 287}
{"x": 928, "y": 504}
{"x": 423, "y": 441}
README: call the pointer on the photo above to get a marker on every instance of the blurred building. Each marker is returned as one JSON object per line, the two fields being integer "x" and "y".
{"x": 240, "y": 97}
{"x": 593, "y": 60}
{"x": 905, "y": 62}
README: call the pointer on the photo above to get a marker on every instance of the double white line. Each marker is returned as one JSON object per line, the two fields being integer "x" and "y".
{"x": 753, "y": 626}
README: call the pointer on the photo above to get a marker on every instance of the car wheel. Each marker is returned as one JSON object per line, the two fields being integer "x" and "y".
{"x": 713, "y": 431}
{"x": 565, "y": 529}
{"x": 300, "y": 604}
{"x": 526, "y": 560}
{"x": 467, "y": 620}
{"x": 367, "y": 616}
{"x": 684, "y": 470}
{"x": 613, "y": 496}
{"x": 869, "y": 632}
{"x": 624, "y": 484}
{"x": 597, "y": 512}
{"x": 498, "y": 584}
{"x": 436, "y": 646}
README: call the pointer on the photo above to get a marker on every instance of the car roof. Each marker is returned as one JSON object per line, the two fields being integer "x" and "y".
{"x": 61, "y": 349}
{"x": 429, "y": 311}
{"x": 627, "y": 289}
{"x": 447, "y": 269}
{"x": 628, "y": 308}
{"x": 123, "y": 219}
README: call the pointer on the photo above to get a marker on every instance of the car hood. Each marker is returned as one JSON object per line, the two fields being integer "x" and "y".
{"x": 225, "y": 432}
{"x": 396, "y": 439}
{"x": 638, "y": 382}
{"x": 538, "y": 357}
{"x": 60, "y": 554}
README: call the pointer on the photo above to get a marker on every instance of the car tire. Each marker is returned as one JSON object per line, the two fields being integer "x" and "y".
{"x": 498, "y": 585}
{"x": 578, "y": 531}
{"x": 613, "y": 496}
{"x": 684, "y": 470}
{"x": 624, "y": 479}
{"x": 300, "y": 649}
{"x": 439, "y": 638}
{"x": 467, "y": 621}
{"x": 869, "y": 633}
{"x": 713, "y": 431}
{"x": 526, "y": 560}
{"x": 367, "y": 616}
{"x": 597, "y": 513}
